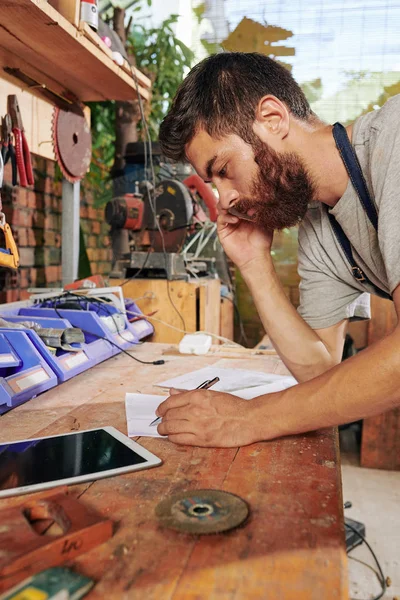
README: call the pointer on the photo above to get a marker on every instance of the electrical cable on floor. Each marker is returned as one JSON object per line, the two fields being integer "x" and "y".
{"x": 379, "y": 574}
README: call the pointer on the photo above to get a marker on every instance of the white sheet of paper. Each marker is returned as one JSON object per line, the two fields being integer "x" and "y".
{"x": 140, "y": 412}
{"x": 231, "y": 380}
{"x": 141, "y": 408}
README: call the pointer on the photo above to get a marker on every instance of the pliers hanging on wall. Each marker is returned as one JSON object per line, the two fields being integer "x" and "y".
{"x": 7, "y": 148}
{"x": 21, "y": 145}
{"x": 9, "y": 256}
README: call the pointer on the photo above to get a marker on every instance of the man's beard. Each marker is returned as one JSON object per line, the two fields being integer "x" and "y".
{"x": 281, "y": 192}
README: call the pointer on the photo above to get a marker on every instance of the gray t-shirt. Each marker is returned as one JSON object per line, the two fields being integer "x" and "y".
{"x": 328, "y": 291}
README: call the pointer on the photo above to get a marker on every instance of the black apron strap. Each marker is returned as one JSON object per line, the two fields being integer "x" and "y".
{"x": 353, "y": 168}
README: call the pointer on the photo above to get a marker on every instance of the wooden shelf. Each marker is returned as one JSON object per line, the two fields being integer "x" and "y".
{"x": 39, "y": 41}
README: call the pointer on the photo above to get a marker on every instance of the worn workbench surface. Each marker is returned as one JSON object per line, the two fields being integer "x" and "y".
{"x": 291, "y": 548}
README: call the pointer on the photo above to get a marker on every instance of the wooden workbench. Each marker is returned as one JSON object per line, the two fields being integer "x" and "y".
{"x": 292, "y": 548}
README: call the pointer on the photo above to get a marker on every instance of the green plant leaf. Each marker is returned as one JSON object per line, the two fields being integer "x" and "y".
{"x": 159, "y": 53}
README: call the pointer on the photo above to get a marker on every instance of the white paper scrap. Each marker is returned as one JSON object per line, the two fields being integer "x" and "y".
{"x": 140, "y": 412}
{"x": 231, "y": 380}
{"x": 141, "y": 408}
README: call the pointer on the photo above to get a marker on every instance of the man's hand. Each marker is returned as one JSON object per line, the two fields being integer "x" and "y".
{"x": 242, "y": 241}
{"x": 206, "y": 418}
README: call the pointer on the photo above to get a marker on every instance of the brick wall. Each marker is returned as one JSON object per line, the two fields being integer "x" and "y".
{"x": 35, "y": 218}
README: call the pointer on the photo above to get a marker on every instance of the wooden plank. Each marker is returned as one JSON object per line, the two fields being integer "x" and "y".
{"x": 143, "y": 80}
{"x": 13, "y": 54}
{"x": 380, "y": 442}
{"x": 36, "y": 116}
{"x": 380, "y": 445}
{"x": 210, "y": 305}
{"x": 184, "y": 301}
{"x": 359, "y": 332}
{"x": 62, "y": 52}
{"x": 70, "y": 9}
{"x": 226, "y": 351}
{"x": 292, "y": 547}
{"x": 383, "y": 319}
{"x": 226, "y": 328}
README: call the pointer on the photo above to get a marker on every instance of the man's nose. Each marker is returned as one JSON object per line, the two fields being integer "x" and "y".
{"x": 228, "y": 198}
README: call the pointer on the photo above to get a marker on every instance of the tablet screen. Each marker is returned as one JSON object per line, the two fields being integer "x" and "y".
{"x": 62, "y": 457}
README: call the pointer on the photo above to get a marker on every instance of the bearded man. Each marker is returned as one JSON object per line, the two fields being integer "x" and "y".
{"x": 245, "y": 125}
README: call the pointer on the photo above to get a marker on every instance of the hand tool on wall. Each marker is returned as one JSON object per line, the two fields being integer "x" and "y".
{"x": 21, "y": 145}
{"x": 7, "y": 148}
{"x": 9, "y": 256}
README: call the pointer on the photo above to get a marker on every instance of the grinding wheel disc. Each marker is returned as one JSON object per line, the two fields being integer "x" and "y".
{"x": 174, "y": 210}
{"x": 72, "y": 141}
{"x": 202, "y": 511}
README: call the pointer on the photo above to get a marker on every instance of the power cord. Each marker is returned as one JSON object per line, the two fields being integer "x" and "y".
{"x": 136, "y": 275}
{"x": 214, "y": 335}
{"x": 379, "y": 574}
{"x": 243, "y": 336}
{"x": 150, "y": 199}
{"x": 143, "y": 362}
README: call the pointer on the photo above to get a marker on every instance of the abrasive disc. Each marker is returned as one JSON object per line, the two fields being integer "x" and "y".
{"x": 72, "y": 142}
{"x": 202, "y": 511}
{"x": 174, "y": 210}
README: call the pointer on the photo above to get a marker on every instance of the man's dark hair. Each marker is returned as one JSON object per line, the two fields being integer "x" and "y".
{"x": 221, "y": 95}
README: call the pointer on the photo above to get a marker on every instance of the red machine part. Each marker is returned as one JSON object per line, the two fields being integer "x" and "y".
{"x": 196, "y": 184}
{"x": 134, "y": 212}
{"x": 125, "y": 212}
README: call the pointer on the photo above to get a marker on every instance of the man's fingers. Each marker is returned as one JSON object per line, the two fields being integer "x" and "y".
{"x": 186, "y": 439}
{"x": 175, "y": 426}
{"x": 227, "y": 219}
{"x": 174, "y": 401}
{"x": 176, "y": 413}
{"x": 174, "y": 391}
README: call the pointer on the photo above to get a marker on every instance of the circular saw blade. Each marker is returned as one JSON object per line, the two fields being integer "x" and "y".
{"x": 202, "y": 511}
{"x": 174, "y": 210}
{"x": 72, "y": 142}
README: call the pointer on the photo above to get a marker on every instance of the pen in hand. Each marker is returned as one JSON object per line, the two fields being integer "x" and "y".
{"x": 204, "y": 386}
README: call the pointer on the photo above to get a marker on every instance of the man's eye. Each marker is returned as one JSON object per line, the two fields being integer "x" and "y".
{"x": 222, "y": 172}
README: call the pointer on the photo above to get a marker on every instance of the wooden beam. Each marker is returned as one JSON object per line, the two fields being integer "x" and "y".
{"x": 36, "y": 116}
{"x": 69, "y": 9}
{"x": 42, "y": 38}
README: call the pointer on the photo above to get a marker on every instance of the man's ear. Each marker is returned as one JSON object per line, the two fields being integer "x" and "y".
{"x": 272, "y": 121}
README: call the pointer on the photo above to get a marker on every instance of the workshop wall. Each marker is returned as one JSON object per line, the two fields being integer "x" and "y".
{"x": 284, "y": 254}
{"x": 35, "y": 219}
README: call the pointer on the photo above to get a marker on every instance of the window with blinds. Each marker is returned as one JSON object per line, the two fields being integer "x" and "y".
{"x": 345, "y": 54}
